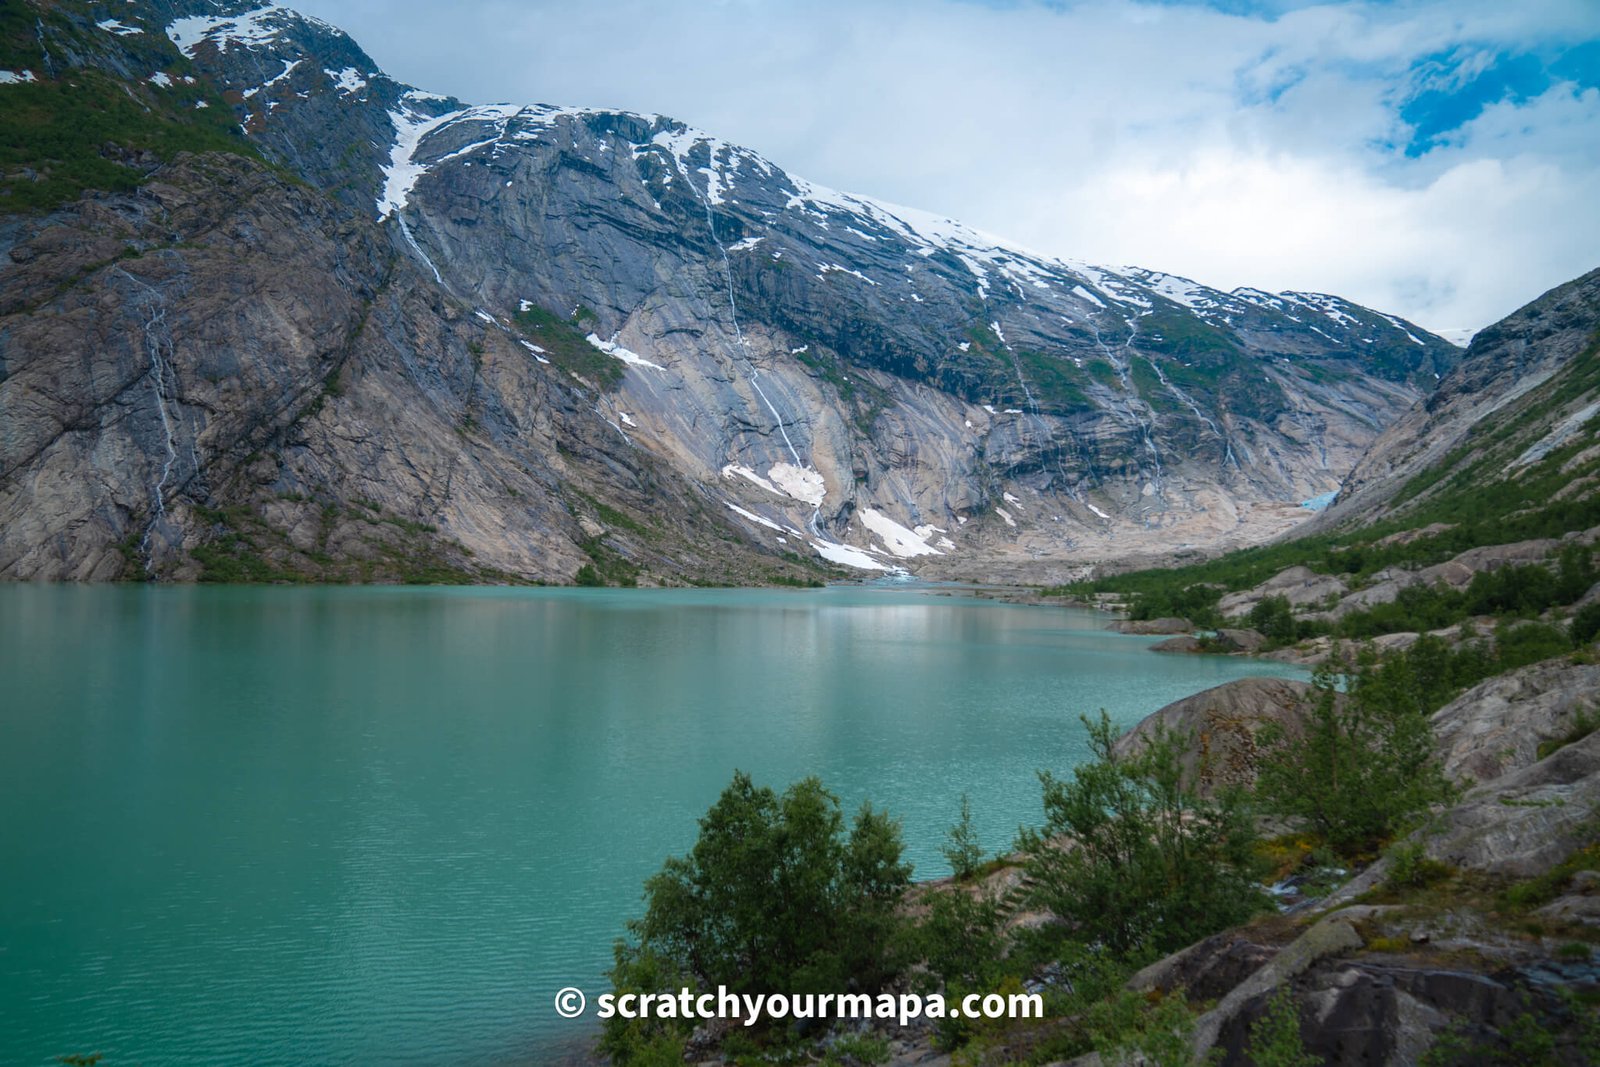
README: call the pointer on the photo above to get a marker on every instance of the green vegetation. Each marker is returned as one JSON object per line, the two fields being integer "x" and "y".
{"x": 1525, "y": 896}
{"x": 1366, "y": 767}
{"x": 1529, "y": 1039}
{"x": 606, "y": 566}
{"x": 89, "y": 130}
{"x": 1275, "y": 619}
{"x": 1478, "y": 490}
{"x": 1196, "y": 602}
{"x": 1154, "y": 866}
{"x": 565, "y": 344}
{"x": 613, "y": 517}
{"x": 1586, "y": 723}
{"x": 857, "y": 1050}
{"x": 1204, "y": 360}
{"x": 774, "y": 897}
{"x": 1056, "y": 382}
{"x": 246, "y": 549}
{"x": 962, "y": 850}
{"x": 1515, "y": 591}
{"x": 1275, "y": 1038}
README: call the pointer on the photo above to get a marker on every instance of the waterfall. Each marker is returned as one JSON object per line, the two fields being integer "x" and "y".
{"x": 738, "y": 334}
{"x": 158, "y": 345}
{"x": 1227, "y": 441}
{"x": 733, "y": 313}
{"x": 1121, "y": 367}
{"x": 412, "y": 241}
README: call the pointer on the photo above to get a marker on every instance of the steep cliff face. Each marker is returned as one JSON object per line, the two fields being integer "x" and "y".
{"x": 219, "y": 376}
{"x": 1520, "y": 409}
{"x": 479, "y": 318}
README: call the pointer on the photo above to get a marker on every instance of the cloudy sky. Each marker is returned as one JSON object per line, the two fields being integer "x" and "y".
{"x": 1435, "y": 158}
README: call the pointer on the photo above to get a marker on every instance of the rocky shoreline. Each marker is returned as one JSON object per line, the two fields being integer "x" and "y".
{"x": 1377, "y": 968}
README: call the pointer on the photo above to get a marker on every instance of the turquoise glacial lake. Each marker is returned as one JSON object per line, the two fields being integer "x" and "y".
{"x": 373, "y": 825}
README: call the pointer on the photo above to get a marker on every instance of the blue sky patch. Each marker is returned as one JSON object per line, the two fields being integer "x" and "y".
{"x": 1459, "y": 85}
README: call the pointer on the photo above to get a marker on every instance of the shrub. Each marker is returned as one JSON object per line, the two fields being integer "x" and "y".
{"x": 1519, "y": 644}
{"x": 1275, "y": 620}
{"x": 1147, "y": 865}
{"x": 775, "y": 897}
{"x": 1585, "y": 625}
{"x": 1275, "y": 1037}
{"x": 961, "y": 939}
{"x": 1197, "y": 603}
{"x": 961, "y": 849}
{"x": 1366, "y": 765}
{"x": 1410, "y": 867}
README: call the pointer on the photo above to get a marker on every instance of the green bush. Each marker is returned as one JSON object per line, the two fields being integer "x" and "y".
{"x": 962, "y": 939}
{"x": 857, "y": 1050}
{"x": 1585, "y": 625}
{"x": 1197, "y": 603}
{"x": 1275, "y": 1037}
{"x": 774, "y": 897}
{"x": 961, "y": 849}
{"x": 1411, "y": 868}
{"x": 1366, "y": 766}
{"x": 1274, "y": 618}
{"x": 1149, "y": 865}
{"x": 1519, "y": 644}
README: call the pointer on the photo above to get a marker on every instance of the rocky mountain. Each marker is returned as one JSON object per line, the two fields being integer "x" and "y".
{"x": 1519, "y": 410}
{"x": 371, "y": 326}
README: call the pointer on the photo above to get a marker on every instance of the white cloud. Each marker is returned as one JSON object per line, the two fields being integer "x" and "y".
{"x": 1234, "y": 150}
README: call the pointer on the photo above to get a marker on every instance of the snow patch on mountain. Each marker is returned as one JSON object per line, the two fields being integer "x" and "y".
{"x": 899, "y": 540}
{"x": 347, "y": 81}
{"x": 251, "y": 29}
{"x": 616, "y": 351}
{"x": 801, "y": 483}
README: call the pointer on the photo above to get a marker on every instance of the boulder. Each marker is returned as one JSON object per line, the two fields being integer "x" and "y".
{"x": 1332, "y": 936}
{"x": 1150, "y": 627}
{"x": 1524, "y": 822}
{"x": 1385, "y": 587}
{"x": 1493, "y": 557}
{"x": 1184, "y": 643}
{"x": 1206, "y": 969}
{"x": 1397, "y": 642}
{"x": 1405, "y": 537}
{"x": 1454, "y": 573}
{"x": 1301, "y": 586}
{"x": 1232, "y": 640}
{"x": 1224, "y": 723}
{"x": 1498, "y": 725}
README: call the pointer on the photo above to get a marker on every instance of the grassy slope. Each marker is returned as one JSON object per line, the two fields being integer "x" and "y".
{"x": 1476, "y": 488}
{"x": 80, "y": 128}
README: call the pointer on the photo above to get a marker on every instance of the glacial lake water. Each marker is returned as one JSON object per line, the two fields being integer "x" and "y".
{"x": 374, "y": 825}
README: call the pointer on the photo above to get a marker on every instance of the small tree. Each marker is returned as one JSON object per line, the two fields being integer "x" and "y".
{"x": 774, "y": 897}
{"x": 1275, "y": 1037}
{"x": 962, "y": 938}
{"x": 1367, "y": 764}
{"x": 1133, "y": 858}
{"x": 1274, "y": 618}
{"x": 961, "y": 848}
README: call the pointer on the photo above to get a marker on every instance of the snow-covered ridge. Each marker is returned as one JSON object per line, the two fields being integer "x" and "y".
{"x": 251, "y": 29}
{"x": 716, "y": 169}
